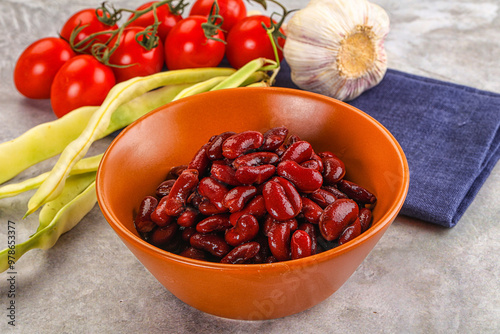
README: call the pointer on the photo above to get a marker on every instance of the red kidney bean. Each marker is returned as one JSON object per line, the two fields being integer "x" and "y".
{"x": 242, "y": 253}
{"x": 175, "y": 171}
{"x": 356, "y": 192}
{"x": 187, "y": 233}
{"x": 160, "y": 215}
{"x": 322, "y": 197}
{"x": 215, "y": 223}
{"x": 333, "y": 170}
{"x": 184, "y": 184}
{"x": 188, "y": 217}
{"x": 255, "y": 207}
{"x": 212, "y": 243}
{"x": 163, "y": 235}
{"x": 241, "y": 143}
{"x": 281, "y": 199}
{"x": 176, "y": 244}
{"x": 274, "y": 138}
{"x": 238, "y": 197}
{"x": 270, "y": 196}
{"x": 263, "y": 253}
{"x": 207, "y": 208}
{"x": 305, "y": 179}
{"x": 164, "y": 188}
{"x": 336, "y": 217}
{"x": 214, "y": 148}
{"x": 315, "y": 163}
{"x": 254, "y": 174}
{"x": 195, "y": 199}
{"x": 200, "y": 160}
{"x": 312, "y": 231}
{"x": 365, "y": 218}
{"x": 350, "y": 232}
{"x": 300, "y": 245}
{"x": 145, "y": 226}
{"x": 271, "y": 259}
{"x": 279, "y": 242}
{"x": 326, "y": 154}
{"x": 299, "y": 152}
{"x": 193, "y": 253}
{"x": 290, "y": 140}
{"x": 245, "y": 230}
{"x": 213, "y": 190}
{"x": 334, "y": 191}
{"x": 142, "y": 220}
{"x": 256, "y": 159}
{"x": 311, "y": 211}
{"x": 224, "y": 173}
{"x": 270, "y": 223}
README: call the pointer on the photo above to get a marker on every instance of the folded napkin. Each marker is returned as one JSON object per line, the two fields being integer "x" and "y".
{"x": 450, "y": 135}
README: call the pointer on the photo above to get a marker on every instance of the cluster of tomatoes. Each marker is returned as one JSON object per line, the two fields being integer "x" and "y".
{"x": 51, "y": 68}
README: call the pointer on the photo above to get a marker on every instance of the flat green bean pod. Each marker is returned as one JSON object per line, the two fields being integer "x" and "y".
{"x": 100, "y": 121}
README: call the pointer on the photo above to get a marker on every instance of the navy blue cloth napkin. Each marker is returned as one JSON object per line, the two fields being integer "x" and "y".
{"x": 450, "y": 135}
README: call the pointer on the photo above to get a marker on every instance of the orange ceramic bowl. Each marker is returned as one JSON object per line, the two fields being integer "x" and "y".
{"x": 139, "y": 158}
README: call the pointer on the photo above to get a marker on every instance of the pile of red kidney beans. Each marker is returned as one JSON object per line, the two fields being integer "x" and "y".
{"x": 250, "y": 198}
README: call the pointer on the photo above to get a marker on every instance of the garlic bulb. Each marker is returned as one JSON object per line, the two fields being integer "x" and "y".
{"x": 336, "y": 47}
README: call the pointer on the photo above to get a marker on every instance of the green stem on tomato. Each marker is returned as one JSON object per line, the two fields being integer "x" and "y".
{"x": 276, "y": 66}
{"x": 211, "y": 27}
{"x": 101, "y": 51}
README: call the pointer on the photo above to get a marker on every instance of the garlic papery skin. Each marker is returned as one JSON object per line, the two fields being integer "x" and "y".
{"x": 336, "y": 47}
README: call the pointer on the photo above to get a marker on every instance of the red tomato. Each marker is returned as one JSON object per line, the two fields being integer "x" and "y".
{"x": 86, "y": 17}
{"x": 142, "y": 62}
{"x": 38, "y": 64}
{"x": 187, "y": 47}
{"x": 166, "y": 18}
{"x": 82, "y": 81}
{"x": 248, "y": 40}
{"x": 231, "y": 11}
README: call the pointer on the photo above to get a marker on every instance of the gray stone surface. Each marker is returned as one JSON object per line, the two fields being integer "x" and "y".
{"x": 420, "y": 278}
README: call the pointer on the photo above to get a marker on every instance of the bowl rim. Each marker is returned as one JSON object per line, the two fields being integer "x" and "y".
{"x": 383, "y": 222}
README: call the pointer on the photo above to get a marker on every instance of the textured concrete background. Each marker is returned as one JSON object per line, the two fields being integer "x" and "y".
{"x": 420, "y": 278}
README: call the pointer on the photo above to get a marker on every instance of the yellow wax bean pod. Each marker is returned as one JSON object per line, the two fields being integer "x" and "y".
{"x": 65, "y": 219}
{"x": 211, "y": 83}
{"x": 49, "y": 139}
{"x": 246, "y": 71}
{"x": 141, "y": 105}
{"x": 75, "y": 184}
{"x": 100, "y": 120}
{"x": 259, "y": 84}
{"x": 199, "y": 87}
{"x": 41, "y": 142}
{"x": 83, "y": 166}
